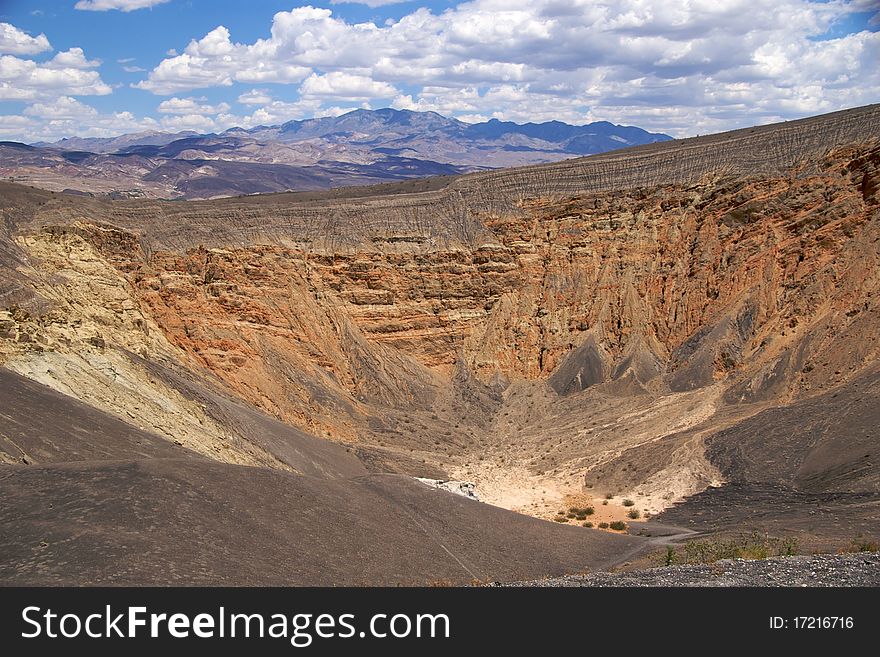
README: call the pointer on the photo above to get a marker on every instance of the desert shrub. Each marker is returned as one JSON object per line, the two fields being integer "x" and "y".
{"x": 608, "y": 496}
{"x": 603, "y": 525}
{"x": 604, "y": 502}
{"x": 628, "y": 503}
{"x": 588, "y": 524}
{"x": 560, "y": 519}
{"x": 862, "y": 544}
{"x": 570, "y": 515}
{"x": 634, "y": 514}
{"x": 618, "y": 525}
{"x": 751, "y": 546}
{"x": 589, "y": 511}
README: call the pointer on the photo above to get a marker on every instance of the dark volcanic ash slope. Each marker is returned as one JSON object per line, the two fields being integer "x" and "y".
{"x": 647, "y": 323}
{"x": 808, "y": 469}
{"x": 176, "y": 522}
{"x": 40, "y": 425}
{"x": 94, "y": 500}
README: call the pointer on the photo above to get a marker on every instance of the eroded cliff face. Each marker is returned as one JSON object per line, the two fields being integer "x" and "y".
{"x": 83, "y": 348}
{"x": 696, "y": 284}
{"x": 699, "y": 282}
{"x": 530, "y": 346}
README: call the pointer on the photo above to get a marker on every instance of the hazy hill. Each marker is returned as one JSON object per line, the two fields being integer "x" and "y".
{"x": 360, "y": 147}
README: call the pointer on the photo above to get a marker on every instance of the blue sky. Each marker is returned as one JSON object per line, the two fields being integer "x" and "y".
{"x": 104, "y": 67}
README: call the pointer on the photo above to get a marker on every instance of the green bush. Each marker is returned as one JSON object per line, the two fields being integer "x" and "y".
{"x": 589, "y": 511}
{"x": 628, "y": 503}
{"x": 588, "y": 524}
{"x": 618, "y": 525}
{"x": 862, "y": 544}
{"x": 750, "y": 546}
{"x": 634, "y": 514}
{"x": 603, "y": 525}
{"x": 560, "y": 519}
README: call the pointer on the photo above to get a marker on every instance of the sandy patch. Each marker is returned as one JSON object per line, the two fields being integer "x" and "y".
{"x": 605, "y": 510}
{"x": 515, "y": 488}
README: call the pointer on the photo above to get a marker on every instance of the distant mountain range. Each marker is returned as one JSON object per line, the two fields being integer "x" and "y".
{"x": 358, "y": 148}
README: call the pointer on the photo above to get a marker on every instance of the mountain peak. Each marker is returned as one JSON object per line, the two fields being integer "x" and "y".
{"x": 362, "y": 146}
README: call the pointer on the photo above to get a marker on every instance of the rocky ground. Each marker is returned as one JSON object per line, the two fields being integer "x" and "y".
{"x": 861, "y": 569}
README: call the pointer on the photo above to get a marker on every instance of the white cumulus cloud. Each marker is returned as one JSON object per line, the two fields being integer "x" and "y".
{"x": 346, "y": 86}
{"x": 190, "y": 106}
{"x": 66, "y": 116}
{"x": 255, "y": 97}
{"x": 63, "y": 107}
{"x": 68, "y": 73}
{"x": 14, "y": 41}
{"x": 710, "y": 65}
{"x": 121, "y": 5}
{"x": 370, "y": 3}
{"x": 72, "y": 58}
{"x": 214, "y": 60}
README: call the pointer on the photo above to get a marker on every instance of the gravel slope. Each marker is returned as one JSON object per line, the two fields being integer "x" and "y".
{"x": 862, "y": 569}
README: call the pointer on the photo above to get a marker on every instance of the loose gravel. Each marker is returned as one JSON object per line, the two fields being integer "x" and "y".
{"x": 861, "y": 569}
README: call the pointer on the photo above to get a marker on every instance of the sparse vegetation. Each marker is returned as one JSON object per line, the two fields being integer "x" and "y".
{"x": 617, "y": 525}
{"x": 751, "y": 546}
{"x": 609, "y": 496}
{"x": 628, "y": 503}
{"x": 634, "y": 514}
{"x": 862, "y": 544}
{"x": 579, "y": 513}
{"x": 604, "y": 502}
{"x": 560, "y": 519}
{"x": 588, "y": 524}
{"x": 603, "y": 525}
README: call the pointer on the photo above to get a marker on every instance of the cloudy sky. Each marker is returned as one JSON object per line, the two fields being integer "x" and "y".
{"x": 684, "y": 67}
